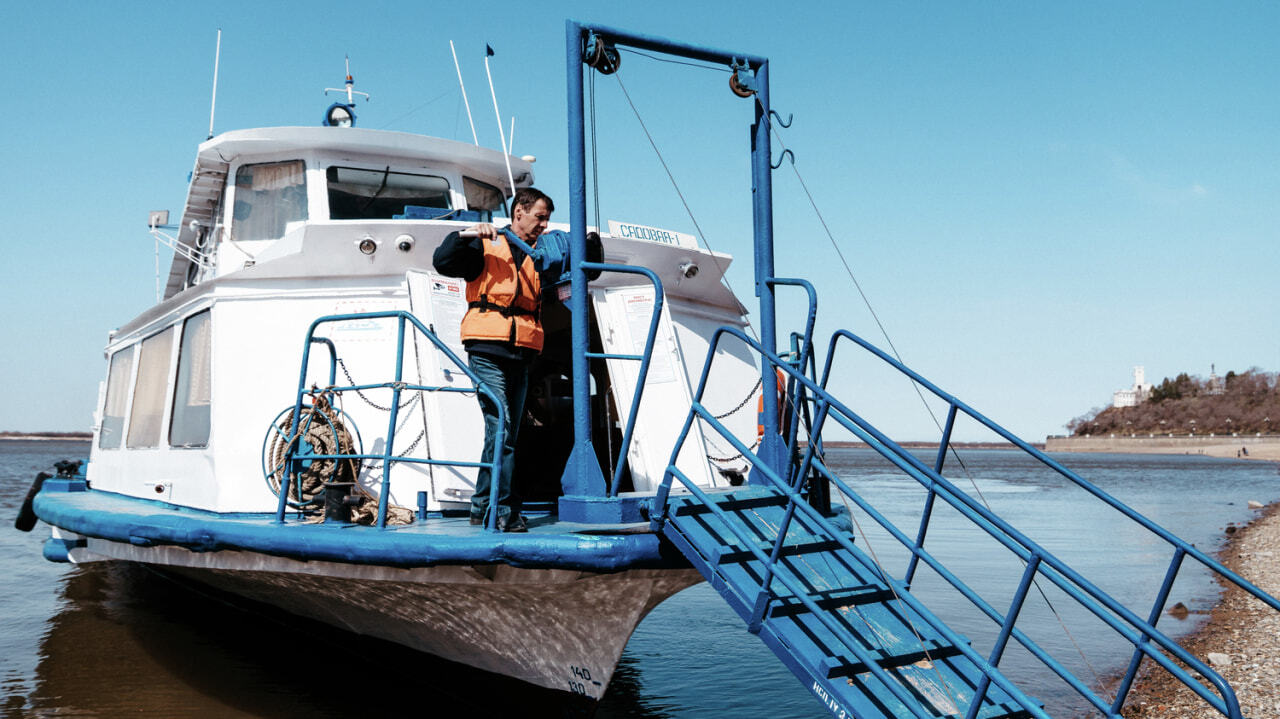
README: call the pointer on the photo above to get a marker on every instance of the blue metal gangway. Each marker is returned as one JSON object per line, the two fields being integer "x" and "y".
{"x": 857, "y": 637}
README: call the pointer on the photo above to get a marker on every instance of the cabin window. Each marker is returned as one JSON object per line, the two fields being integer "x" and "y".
{"x": 118, "y": 374}
{"x": 484, "y": 198}
{"x": 149, "y": 391}
{"x": 190, "y": 424}
{"x": 268, "y": 197}
{"x": 356, "y": 194}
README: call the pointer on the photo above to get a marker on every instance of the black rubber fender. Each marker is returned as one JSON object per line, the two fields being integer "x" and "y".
{"x": 26, "y": 520}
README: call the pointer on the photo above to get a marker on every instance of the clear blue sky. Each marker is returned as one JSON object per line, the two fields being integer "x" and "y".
{"x": 1035, "y": 196}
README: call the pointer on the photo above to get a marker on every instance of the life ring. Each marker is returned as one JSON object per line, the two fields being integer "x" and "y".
{"x": 782, "y": 403}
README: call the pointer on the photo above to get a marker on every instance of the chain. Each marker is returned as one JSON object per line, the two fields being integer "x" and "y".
{"x": 370, "y": 465}
{"x": 741, "y": 404}
{"x": 375, "y": 464}
{"x": 414, "y": 445}
{"x": 370, "y": 402}
{"x": 744, "y": 402}
{"x": 752, "y": 448}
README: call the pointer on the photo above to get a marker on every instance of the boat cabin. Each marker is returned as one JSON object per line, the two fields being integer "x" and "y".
{"x": 286, "y": 225}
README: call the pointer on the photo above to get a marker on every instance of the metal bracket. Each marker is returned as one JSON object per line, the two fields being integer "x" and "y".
{"x": 783, "y": 156}
{"x": 778, "y": 118}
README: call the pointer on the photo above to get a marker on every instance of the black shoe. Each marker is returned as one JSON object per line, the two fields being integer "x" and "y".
{"x": 513, "y": 524}
{"x": 476, "y": 520}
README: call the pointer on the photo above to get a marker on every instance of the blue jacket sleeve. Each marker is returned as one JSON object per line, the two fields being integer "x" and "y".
{"x": 456, "y": 257}
{"x": 554, "y": 263}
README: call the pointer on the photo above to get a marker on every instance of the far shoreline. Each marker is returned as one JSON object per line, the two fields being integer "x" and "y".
{"x": 48, "y": 436}
{"x": 1264, "y": 447}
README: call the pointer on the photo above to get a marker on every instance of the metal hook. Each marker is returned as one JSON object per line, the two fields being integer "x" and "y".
{"x": 778, "y": 118}
{"x": 782, "y": 157}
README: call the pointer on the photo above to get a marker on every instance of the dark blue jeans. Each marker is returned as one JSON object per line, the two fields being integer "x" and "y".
{"x": 509, "y": 379}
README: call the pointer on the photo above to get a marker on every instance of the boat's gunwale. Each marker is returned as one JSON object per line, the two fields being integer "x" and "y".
{"x": 71, "y": 505}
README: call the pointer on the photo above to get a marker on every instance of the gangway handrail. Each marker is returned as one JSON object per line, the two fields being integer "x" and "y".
{"x": 1038, "y": 558}
{"x": 396, "y": 386}
{"x": 797, "y": 503}
{"x": 806, "y": 348}
{"x": 1181, "y": 547}
{"x": 1067, "y": 579}
{"x": 650, "y": 340}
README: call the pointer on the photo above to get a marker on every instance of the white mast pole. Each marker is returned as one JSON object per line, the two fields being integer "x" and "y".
{"x": 456, "y": 67}
{"x": 213, "y": 104}
{"x": 511, "y": 136}
{"x": 501, "y": 134}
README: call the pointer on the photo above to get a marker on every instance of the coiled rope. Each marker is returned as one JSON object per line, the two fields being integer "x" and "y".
{"x": 324, "y": 432}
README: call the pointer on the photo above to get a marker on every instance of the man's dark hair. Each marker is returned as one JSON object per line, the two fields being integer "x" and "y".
{"x": 527, "y": 197}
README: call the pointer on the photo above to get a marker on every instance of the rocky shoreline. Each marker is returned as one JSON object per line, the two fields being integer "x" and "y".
{"x": 1240, "y": 640}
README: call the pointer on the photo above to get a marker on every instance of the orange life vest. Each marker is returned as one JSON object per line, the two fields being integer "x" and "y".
{"x": 503, "y": 303}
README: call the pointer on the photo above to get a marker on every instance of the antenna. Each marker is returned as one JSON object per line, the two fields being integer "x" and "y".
{"x": 340, "y": 114}
{"x": 350, "y": 84}
{"x": 217, "y": 56}
{"x": 464, "y": 94}
{"x": 506, "y": 156}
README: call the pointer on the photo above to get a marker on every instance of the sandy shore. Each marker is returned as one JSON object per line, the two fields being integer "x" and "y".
{"x": 1242, "y": 629}
{"x": 1266, "y": 448}
{"x": 1269, "y": 452}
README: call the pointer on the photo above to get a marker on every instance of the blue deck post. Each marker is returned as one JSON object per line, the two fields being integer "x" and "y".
{"x": 583, "y": 483}
{"x": 772, "y": 450}
{"x": 586, "y": 498}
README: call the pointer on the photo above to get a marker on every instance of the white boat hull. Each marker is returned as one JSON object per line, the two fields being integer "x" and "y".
{"x": 558, "y": 629}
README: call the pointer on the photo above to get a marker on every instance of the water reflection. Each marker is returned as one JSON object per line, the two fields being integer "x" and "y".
{"x": 128, "y": 641}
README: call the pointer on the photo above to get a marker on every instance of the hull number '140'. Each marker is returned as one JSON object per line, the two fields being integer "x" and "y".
{"x": 582, "y": 677}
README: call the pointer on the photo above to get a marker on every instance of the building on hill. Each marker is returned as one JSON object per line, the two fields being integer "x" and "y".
{"x": 1217, "y": 385}
{"x": 1135, "y": 395}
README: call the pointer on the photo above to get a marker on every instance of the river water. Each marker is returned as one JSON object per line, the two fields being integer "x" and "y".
{"x": 110, "y": 640}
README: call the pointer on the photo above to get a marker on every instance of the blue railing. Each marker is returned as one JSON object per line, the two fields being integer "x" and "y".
{"x": 803, "y": 348}
{"x": 654, "y": 319}
{"x": 397, "y": 386}
{"x": 1141, "y": 633}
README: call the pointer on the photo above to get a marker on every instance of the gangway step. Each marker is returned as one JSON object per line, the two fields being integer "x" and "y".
{"x": 825, "y": 610}
{"x": 737, "y": 553}
{"x": 831, "y": 599}
{"x": 730, "y": 503}
{"x": 929, "y": 650}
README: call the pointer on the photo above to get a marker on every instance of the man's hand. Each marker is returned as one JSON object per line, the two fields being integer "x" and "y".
{"x": 483, "y": 231}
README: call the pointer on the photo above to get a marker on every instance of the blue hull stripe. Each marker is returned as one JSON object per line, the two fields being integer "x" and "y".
{"x": 149, "y": 523}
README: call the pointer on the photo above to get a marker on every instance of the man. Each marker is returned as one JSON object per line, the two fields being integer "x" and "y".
{"x": 502, "y": 329}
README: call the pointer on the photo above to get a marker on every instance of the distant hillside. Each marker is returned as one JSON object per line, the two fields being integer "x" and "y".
{"x": 1244, "y": 403}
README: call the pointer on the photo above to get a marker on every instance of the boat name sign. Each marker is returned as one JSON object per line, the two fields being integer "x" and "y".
{"x": 652, "y": 234}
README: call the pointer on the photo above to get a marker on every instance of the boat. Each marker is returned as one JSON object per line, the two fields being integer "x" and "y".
{"x": 293, "y": 423}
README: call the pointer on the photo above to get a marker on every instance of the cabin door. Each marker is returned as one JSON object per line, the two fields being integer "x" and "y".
{"x": 456, "y": 428}
{"x": 622, "y": 315}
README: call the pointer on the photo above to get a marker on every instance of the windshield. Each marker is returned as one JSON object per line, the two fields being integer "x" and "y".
{"x": 268, "y": 197}
{"x": 356, "y": 194}
{"x": 484, "y": 199}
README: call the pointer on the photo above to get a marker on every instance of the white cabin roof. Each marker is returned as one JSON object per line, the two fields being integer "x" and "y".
{"x": 215, "y": 157}
{"x": 482, "y": 162}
